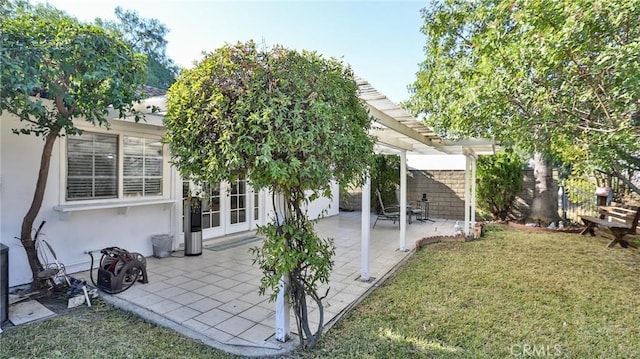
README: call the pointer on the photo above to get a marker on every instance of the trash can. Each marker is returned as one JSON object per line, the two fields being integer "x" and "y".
{"x": 193, "y": 227}
{"x": 162, "y": 245}
{"x": 4, "y": 284}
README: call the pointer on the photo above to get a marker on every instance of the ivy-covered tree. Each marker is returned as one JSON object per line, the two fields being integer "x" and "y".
{"x": 557, "y": 78}
{"x": 500, "y": 181}
{"x": 56, "y": 70}
{"x": 289, "y": 121}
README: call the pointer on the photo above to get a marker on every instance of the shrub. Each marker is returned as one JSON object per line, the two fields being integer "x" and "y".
{"x": 499, "y": 181}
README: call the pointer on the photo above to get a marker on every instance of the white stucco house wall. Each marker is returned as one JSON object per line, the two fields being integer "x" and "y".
{"x": 132, "y": 194}
{"x": 77, "y": 221}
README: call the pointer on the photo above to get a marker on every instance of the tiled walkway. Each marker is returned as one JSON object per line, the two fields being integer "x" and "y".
{"x": 214, "y": 297}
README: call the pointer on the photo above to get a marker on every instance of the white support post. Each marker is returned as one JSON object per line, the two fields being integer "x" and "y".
{"x": 366, "y": 230}
{"x": 403, "y": 200}
{"x": 176, "y": 209}
{"x": 473, "y": 192}
{"x": 283, "y": 327}
{"x": 467, "y": 192}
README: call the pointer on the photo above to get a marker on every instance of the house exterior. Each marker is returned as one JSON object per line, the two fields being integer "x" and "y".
{"x": 114, "y": 187}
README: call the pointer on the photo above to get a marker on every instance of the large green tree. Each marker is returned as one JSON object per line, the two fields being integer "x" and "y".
{"x": 148, "y": 37}
{"x": 557, "y": 78}
{"x": 56, "y": 70}
{"x": 289, "y": 121}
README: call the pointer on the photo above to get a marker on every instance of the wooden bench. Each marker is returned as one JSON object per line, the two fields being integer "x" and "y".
{"x": 620, "y": 221}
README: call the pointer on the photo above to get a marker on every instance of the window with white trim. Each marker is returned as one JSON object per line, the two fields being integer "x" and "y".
{"x": 92, "y": 166}
{"x": 103, "y": 166}
{"x": 142, "y": 166}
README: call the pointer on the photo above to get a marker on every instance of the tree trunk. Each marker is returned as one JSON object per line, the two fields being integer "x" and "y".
{"x": 545, "y": 194}
{"x": 27, "y": 222}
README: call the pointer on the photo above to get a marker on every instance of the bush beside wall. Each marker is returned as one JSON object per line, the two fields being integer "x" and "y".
{"x": 445, "y": 191}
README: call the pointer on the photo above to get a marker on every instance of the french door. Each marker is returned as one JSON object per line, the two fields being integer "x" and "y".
{"x": 238, "y": 206}
{"x": 228, "y": 208}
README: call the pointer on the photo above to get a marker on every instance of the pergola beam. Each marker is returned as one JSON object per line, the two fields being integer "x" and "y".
{"x": 394, "y": 125}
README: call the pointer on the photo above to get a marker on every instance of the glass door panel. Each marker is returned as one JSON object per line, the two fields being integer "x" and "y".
{"x": 211, "y": 206}
{"x": 238, "y": 202}
{"x": 256, "y": 206}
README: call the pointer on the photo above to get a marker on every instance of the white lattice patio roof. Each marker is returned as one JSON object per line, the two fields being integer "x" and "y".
{"x": 397, "y": 129}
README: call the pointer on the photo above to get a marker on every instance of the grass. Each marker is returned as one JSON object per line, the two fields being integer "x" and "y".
{"x": 100, "y": 332}
{"x": 511, "y": 294}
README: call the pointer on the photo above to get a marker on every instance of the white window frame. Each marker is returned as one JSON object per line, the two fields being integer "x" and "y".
{"x": 93, "y": 177}
{"x": 120, "y": 129}
{"x": 143, "y": 176}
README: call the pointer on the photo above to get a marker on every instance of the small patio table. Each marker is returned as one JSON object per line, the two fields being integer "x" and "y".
{"x": 423, "y": 211}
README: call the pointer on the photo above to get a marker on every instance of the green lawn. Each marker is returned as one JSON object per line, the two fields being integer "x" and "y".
{"x": 100, "y": 332}
{"x": 511, "y": 294}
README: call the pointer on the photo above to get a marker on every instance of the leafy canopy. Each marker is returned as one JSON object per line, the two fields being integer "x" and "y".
{"x": 556, "y": 77}
{"x": 291, "y": 122}
{"x": 148, "y": 37}
{"x": 286, "y": 119}
{"x": 56, "y": 69}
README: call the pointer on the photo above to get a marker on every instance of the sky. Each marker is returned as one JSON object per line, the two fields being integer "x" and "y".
{"x": 380, "y": 40}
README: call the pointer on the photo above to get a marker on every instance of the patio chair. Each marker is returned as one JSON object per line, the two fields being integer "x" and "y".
{"x": 53, "y": 271}
{"x": 392, "y": 213}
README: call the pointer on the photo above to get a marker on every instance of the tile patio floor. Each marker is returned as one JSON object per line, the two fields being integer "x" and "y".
{"x": 214, "y": 297}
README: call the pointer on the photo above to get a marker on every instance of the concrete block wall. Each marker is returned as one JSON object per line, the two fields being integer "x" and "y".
{"x": 444, "y": 190}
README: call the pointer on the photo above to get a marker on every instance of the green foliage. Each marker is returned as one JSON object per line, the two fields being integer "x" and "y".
{"x": 282, "y": 118}
{"x": 385, "y": 177}
{"x": 148, "y": 37}
{"x": 580, "y": 191}
{"x": 555, "y": 77}
{"x": 294, "y": 248}
{"x": 499, "y": 182}
{"x": 159, "y": 74}
{"x": 55, "y": 70}
{"x": 81, "y": 68}
{"x": 289, "y": 121}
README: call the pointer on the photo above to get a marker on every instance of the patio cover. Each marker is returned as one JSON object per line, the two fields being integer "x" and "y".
{"x": 398, "y": 132}
{"x": 396, "y": 128}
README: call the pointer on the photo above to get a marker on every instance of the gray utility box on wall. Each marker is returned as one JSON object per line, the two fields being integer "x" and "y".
{"x": 193, "y": 227}
{"x": 4, "y": 284}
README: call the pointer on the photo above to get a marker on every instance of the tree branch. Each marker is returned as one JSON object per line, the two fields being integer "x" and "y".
{"x": 624, "y": 179}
